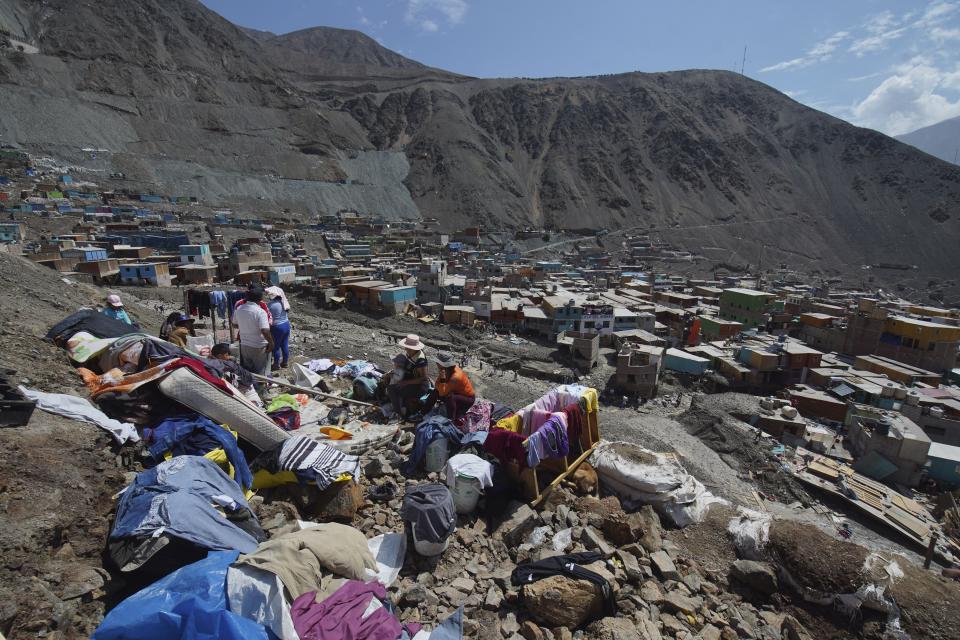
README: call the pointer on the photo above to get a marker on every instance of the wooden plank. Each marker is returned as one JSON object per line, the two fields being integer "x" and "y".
{"x": 901, "y": 518}
{"x": 560, "y": 478}
{"x": 823, "y": 470}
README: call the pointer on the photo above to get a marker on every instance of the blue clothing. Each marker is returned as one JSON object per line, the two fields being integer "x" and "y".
{"x": 277, "y": 313}
{"x": 117, "y": 314}
{"x": 196, "y": 435}
{"x": 427, "y": 431}
{"x": 190, "y": 603}
{"x": 178, "y": 496}
{"x": 281, "y": 342}
{"x": 218, "y": 301}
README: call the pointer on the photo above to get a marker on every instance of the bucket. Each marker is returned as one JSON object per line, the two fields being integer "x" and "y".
{"x": 425, "y": 548}
{"x": 466, "y": 493}
{"x": 436, "y": 455}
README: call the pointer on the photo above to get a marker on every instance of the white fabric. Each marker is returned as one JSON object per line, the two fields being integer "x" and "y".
{"x": 274, "y": 292}
{"x": 467, "y": 464}
{"x": 389, "y": 550}
{"x": 750, "y": 531}
{"x": 250, "y": 318}
{"x": 640, "y": 476}
{"x": 258, "y": 595}
{"x": 81, "y": 409}
{"x": 304, "y": 377}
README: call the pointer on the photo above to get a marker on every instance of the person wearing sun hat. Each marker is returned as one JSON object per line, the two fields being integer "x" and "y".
{"x": 115, "y": 310}
{"x": 409, "y": 378}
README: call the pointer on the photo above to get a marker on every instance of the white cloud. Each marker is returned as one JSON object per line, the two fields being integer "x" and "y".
{"x": 428, "y": 14}
{"x": 915, "y": 96}
{"x": 869, "y": 76}
{"x": 819, "y": 52}
{"x": 876, "y": 42}
{"x": 935, "y": 14}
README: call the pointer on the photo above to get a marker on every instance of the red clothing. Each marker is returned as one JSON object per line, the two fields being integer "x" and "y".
{"x": 506, "y": 446}
{"x": 263, "y": 305}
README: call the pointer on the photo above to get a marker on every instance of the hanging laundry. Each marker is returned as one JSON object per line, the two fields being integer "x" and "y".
{"x": 477, "y": 418}
{"x": 549, "y": 441}
{"x": 506, "y": 446}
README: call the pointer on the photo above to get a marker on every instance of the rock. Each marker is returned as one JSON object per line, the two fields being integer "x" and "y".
{"x": 413, "y": 595}
{"x": 560, "y": 601}
{"x": 521, "y": 522}
{"x": 562, "y": 633}
{"x": 650, "y": 592}
{"x": 466, "y": 585}
{"x": 759, "y": 576}
{"x": 675, "y": 602}
{"x": 79, "y": 580}
{"x": 652, "y": 538}
{"x": 493, "y": 600}
{"x": 531, "y": 631}
{"x": 593, "y": 540}
{"x": 709, "y": 632}
{"x": 664, "y": 565}
{"x": 793, "y": 630}
{"x": 692, "y": 582}
{"x": 614, "y": 629}
{"x": 671, "y": 624}
{"x": 630, "y": 566}
{"x": 374, "y": 468}
{"x": 509, "y": 626}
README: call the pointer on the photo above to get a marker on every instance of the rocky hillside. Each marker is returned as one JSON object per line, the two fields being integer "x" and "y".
{"x": 184, "y": 102}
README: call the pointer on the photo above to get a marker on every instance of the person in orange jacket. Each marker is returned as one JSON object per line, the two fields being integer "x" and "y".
{"x": 453, "y": 387}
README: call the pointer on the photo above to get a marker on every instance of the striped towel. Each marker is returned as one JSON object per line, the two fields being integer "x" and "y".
{"x": 324, "y": 464}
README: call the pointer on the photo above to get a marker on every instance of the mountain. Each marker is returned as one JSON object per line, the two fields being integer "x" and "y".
{"x": 184, "y": 102}
{"x": 941, "y": 140}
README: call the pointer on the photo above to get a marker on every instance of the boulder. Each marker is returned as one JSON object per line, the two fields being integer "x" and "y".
{"x": 649, "y": 522}
{"x": 676, "y": 602}
{"x": 531, "y": 631}
{"x": 614, "y": 629}
{"x": 560, "y": 601}
{"x": 759, "y": 576}
{"x": 793, "y": 630}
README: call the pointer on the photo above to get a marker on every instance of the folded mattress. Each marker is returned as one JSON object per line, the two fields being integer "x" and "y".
{"x": 238, "y": 413}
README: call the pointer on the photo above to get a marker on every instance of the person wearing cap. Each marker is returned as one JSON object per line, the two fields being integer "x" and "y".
{"x": 409, "y": 378}
{"x": 253, "y": 331}
{"x": 115, "y": 310}
{"x": 453, "y": 387}
{"x": 182, "y": 328}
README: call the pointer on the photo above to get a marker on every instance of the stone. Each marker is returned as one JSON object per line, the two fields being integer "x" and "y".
{"x": 493, "y": 600}
{"x": 562, "y": 633}
{"x": 614, "y": 629}
{"x": 650, "y": 591}
{"x": 466, "y": 585}
{"x": 79, "y": 580}
{"x": 759, "y": 576}
{"x": 339, "y": 502}
{"x": 649, "y": 522}
{"x": 793, "y": 630}
{"x": 560, "y": 601}
{"x": 374, "y": 468}
{"x": 413, "y": 595}
{"x": 520, "y": 523}
{"x": 530, "y": 631}
{"x": 593, "y": 540}
{"x": 509, "y": 626}
{"x": 664, "y": 566}
{"x": 692, "y": 582}
{"x": 709, "y": 632}
{"x": 671, "y": 624}
{"x": 676, "y": 602}
{"x": 630, "y": 566}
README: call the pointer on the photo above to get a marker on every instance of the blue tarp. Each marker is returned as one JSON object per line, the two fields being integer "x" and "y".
{"x": 190, "y": 604}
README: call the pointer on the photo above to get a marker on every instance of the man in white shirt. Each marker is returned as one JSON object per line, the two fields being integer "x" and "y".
{"x": 253, "y": 330}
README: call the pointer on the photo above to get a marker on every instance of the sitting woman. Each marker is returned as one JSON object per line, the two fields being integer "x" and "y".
{"x": 409, "y": 379}
{"x": 453, "y": 387}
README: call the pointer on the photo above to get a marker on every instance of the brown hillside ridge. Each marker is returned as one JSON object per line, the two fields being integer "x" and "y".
{"x": 179, "y": 99}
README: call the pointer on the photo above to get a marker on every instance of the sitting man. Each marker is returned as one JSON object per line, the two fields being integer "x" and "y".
{"x": 409, "y": 378}
{"x": 453, "y": 387}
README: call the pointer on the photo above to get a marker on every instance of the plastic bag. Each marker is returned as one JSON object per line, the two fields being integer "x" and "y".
{"x": 190, "y": 604}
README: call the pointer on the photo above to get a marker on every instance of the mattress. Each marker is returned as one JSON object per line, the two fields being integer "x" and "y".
{"x": 249, "y": 421}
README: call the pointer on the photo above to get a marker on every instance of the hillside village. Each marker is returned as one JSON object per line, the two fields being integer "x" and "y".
{"x": 847, "y": 396}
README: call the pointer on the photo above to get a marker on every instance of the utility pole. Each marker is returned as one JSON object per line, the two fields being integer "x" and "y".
{"x": 743, "y": 62}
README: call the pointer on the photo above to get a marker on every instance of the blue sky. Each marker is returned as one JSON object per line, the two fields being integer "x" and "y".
{"x": 893, "y": 66}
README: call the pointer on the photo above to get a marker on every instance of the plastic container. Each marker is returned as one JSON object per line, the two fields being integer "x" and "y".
{"x": 425, "y": 548}
{"x": 436, "y": 455}
{"x": 466, "y": 493}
